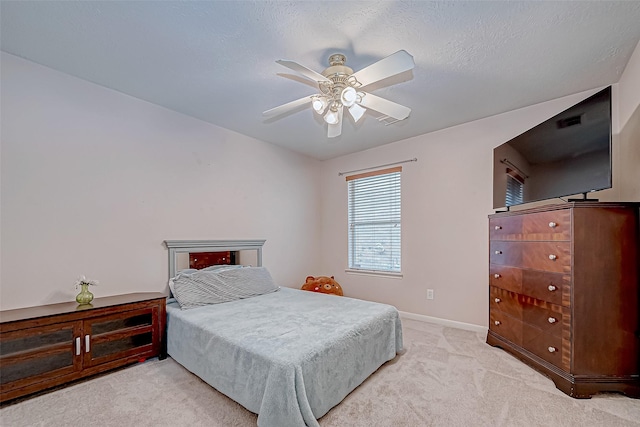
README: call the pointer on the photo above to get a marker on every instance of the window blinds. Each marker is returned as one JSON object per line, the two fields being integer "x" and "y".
{"x": 374, "y": 220}
{"x": 515, "y": 189}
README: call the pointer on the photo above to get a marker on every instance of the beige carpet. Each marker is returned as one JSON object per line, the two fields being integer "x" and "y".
{"x": 447, "y": 377}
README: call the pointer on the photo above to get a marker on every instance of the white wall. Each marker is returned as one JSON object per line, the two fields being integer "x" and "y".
{"x": 446, "y": 197}
{"x": 93, "y": 182}
{"x": 630, "y": 88}
{"x": 626, "y": 164}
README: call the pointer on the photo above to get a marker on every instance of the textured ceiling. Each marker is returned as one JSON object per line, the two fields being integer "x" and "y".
{"x": 216, "y": 60}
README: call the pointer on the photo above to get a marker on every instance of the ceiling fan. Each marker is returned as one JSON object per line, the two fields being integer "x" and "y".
{"x": 341, "y": 88}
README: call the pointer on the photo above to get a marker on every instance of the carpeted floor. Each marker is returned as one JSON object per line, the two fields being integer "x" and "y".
{"x": 446, "y": 377}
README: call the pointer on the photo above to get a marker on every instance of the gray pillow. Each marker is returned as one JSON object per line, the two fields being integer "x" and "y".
{"x": 217, "y": 286}
{"x": 221, "y": 267}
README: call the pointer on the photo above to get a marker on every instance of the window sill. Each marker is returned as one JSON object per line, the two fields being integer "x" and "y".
{"x": 388, "y": 274}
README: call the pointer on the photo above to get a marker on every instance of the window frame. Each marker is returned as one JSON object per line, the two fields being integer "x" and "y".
{"x": 392, "y": 214}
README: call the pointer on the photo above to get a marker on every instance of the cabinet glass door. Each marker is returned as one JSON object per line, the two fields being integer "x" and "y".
{"x": 120, "y": 335}
{"x": 28, "y": 356}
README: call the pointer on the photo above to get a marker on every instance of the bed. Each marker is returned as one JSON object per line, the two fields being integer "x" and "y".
{"x": 287, "y": 355}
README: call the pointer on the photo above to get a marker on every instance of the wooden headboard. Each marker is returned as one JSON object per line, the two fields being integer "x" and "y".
{"x": 210, "y": 246}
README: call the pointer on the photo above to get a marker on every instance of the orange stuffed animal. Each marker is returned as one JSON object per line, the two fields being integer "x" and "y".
{"x": 322, "y": 284}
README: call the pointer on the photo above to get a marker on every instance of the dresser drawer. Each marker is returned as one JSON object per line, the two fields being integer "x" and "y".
{"x": 543, "y": 315}
{"x": 554, "y": 225}
{"x": 506, "y": 326}
{"x": 542, "y": 285}
{"x": 545, "y": 256}
{"x": 506, "y": 228}
{"x": 505, "y": 301}
{"x": 505, "y": 253}
{"x": 545, "y": 346}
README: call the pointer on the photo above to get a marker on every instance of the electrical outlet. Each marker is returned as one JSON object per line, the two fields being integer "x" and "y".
{"x": 429, "y": 293}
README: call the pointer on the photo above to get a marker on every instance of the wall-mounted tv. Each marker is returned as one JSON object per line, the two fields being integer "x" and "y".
{"x": 569, "y": 154}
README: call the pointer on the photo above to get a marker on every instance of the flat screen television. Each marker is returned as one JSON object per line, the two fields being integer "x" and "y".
{"x": 569, "y": 154}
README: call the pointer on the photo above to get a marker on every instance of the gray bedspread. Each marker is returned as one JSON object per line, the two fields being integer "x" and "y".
{"x": 289, "y": 356}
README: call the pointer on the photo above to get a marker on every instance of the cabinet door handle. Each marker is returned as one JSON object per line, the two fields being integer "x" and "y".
{"x": 552, "y": 288}
{"x": 77, "y": 346}
{"x": 552, "y": 349}
{"x": 497, "y": 227}
{"x": 497, "y": 300}
{"x": 498, "y": 252}
{"x": 497, "y": 322}
{"x": 497, "y": 276}
{"x": 553, "y": 257}
{"x": 553, "y": 224}
{"x": 87, "y": 343}
{"x": 552, "y": 320}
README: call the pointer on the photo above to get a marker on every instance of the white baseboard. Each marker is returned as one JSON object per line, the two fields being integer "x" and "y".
{"x": 444, "y": 322}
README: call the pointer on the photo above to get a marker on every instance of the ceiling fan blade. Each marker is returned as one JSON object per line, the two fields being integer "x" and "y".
{"x": 393, "y": 64}
{"x": 310, "y": 74}
{"x": 289, "y": 106}
{"x": 336, "y": 130}
{"x": 384, "y": 106}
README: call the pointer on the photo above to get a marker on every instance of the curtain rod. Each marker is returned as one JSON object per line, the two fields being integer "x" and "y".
{"x": 415, "y": 159}
{"x": 508, "y": 163}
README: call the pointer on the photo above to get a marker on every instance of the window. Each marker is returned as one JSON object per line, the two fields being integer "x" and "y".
{"x": 515, "y": 188}
{"x": 374, "y": 221}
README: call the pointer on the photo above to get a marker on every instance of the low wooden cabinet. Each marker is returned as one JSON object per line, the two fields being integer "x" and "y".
{"x": 564, "y": 293}
{"x": 46, "y": 346}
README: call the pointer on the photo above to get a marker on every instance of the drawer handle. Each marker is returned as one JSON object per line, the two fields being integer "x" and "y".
{"x": 553, "y": 257}
{"x": 497, "y": 276}
{"x": 552, "y": 320}
{"x": 78, "y": 346}
{"x": 553, "y": 224}
{"x": 497, "y": 227}
{"x": 497, "y": 323}
{"x": 552, "y": 288}
{"x": 87, "y": 343}
{"x": 497, "y": 300}
{"x": 552, "y": 349}
{"x": 498, "y": 252}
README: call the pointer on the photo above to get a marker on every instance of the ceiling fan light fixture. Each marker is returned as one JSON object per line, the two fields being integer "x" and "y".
{"x": 348, "y": 96}
{"x": 332, "y": 117}
{"x": 319, "y": 104}
{"x": 356, "y": 112}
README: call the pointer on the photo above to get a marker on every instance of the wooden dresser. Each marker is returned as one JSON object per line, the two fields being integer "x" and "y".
{"x": 49, "y": 345}
{"x": 564, "y": 293}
